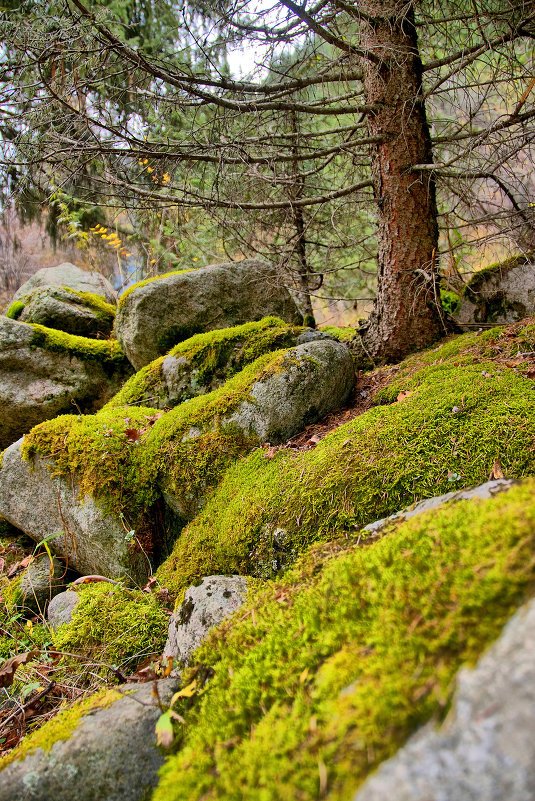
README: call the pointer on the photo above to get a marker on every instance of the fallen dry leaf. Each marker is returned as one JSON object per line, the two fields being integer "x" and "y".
{"x": 133, "y": 434}
{"x": 497, "y": 471}
{"x": 8, "y": 669}
{"x": 406, "y": 393}
{"x": 14, "y": 569}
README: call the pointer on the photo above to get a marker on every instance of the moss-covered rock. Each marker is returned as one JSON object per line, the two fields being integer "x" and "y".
{"x": 500, "y": 293}
{"x": 30, "y": 592}
{"x": 68, "y": 275}
{"x": 323, "y": 674}
{"x": 157, "y": 314}
{"x": 448, "y": 415}
{"x": 65, "y": 309}
{"x": 205, "y": 361}
{"x": 124, "y": 461}
{"x": 44, "y": 373}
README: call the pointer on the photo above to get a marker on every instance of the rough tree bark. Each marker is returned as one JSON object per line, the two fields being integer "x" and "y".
{"x": 406, "y": 315}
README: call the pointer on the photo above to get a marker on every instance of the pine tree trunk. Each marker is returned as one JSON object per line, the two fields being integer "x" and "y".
{"x": 406, "y": 316}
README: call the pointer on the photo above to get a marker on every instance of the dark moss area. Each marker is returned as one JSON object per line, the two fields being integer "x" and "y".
{"x": 459, "y": 412}
{"x": 206, "y": 361}
{"x": 324, "y": 674}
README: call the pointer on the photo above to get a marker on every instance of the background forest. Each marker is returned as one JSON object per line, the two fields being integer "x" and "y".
{"x": 147, "y": 135}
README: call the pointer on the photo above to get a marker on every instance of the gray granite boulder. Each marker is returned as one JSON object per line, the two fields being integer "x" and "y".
{"x": 44, "y": 373}
{"x": 503, "y": 293}
{"x": 485, "y": 751}
{"x": 44, "y": 505}
{"x": 79, "y": 313}
{"x": 154, "y": 315}
{"x": 68, "y": 275}
{"x": 33, "y": 589}
{"x": 112, "y": 754}
{"x": 61, "y": 607}
{"x": 203, "y": 607}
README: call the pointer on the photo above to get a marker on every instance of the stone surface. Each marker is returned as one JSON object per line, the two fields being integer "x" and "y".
{"x": 41, "y": 504}
{"x": 61, "y": 607}
{"x": 56, "y": 307}
{"x": 37, "y": 383}
{"x": 484, "y": 491}
{"x": 203, "y": 607}
{"x": 111, "y": 756}
{"x": 39, "y": 583}
{"x": 485, "y": 751}
{"x": 500, "y": 295}
{"x": 155, "y": 316}
{"x": 314, "y": 379}
{"x": 68, "y": 274}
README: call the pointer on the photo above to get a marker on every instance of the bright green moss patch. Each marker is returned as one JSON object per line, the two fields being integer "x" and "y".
{"x": 114, "y": 626}
{"x": 205, "y": 361}
{"x": 62, "y": 726}
{"x": 327, "y": 672}
{"x": 450, "y": 300}
{"x": 15, "y": 310}
{"x": 124, "y": 456}
{"x": 139, "y": 284}
{"x": 460, "y": 414}
{"x": 341, "y": 334}
{"x": 107, "y": 352}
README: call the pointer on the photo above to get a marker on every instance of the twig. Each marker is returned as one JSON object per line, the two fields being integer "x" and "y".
{"x": 29, "y": 703}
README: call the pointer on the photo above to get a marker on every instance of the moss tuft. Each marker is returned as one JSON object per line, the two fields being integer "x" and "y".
{"x": 15, "y": 310}
{"x": 324, "y": 674}
{"x": 114, "y": 626}
{"x": 341, "y": 334}
{"x": 107, "y": 352}
{"x": 146, "y": 281}
{"x": 459, "y": 412}
{"x": 206, "y": 361}
{"x": 61, "y": 727}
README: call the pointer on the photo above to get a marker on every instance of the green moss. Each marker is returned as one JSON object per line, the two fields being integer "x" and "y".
{"x": 107, "y": 352}
{"x": 187, "y": 449}
{"x": 15, "y": 310}
{"x": 450, "y": 300}
{"x": 103, "y": 311}
{"x": 462, "y": 412}
{"x": 341, "y": 334}
{"x": 139, "y": 284}
{"x": 309, "y": 321}
{"x": 114, "y": 626}
{"x": 61, "y": 727}
{"x": 206, "y": 360}
{"x": 331, "y": 669}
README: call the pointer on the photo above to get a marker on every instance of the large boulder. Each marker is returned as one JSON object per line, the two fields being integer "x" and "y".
{"x": 158, "y": 313}
{"x": 502, "y": 293}
{"x": 203, "y": 607}
{"x": 104, "y": 747}
{"x": 44, "y": 373}
{"x": 66, "y": 309}
{"x": 86, "y": 475}
{"x": 485, "y": 751}
{"x": 51, "y": 507}
{"x": 68, "y": 275}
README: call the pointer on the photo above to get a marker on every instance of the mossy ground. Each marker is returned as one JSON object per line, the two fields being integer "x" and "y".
{"x": 210, "y": 359}
{"x": 113, "y": 626}
{"x": 325, "y": 673}
{"x": 460, "y": 408}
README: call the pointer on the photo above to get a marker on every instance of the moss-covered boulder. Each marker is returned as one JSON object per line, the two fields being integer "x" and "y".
{"x": 501, "y": 293}
{"x": 444, "y": 420}
{"x": 485, "y": 751}
{"x": 30, "y": 592}
{"x": 80, "y": 313}
{"x": 205, "y": 361}
{"x": 324, "y": 673}
{"x": 44, "y": 373}
{"x": 104, "y": 747}
{"x": 68, "y": 275}
{"x": 158, "y": 313}
{"x": 128, "y": 478}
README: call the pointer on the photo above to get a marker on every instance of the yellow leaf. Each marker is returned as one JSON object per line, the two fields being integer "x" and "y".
{"x": 185, "y": 692}
{"x": 303, "y": 676}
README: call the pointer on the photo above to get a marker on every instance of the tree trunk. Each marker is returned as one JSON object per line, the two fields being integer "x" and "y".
{"x": 406, "y": 315}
